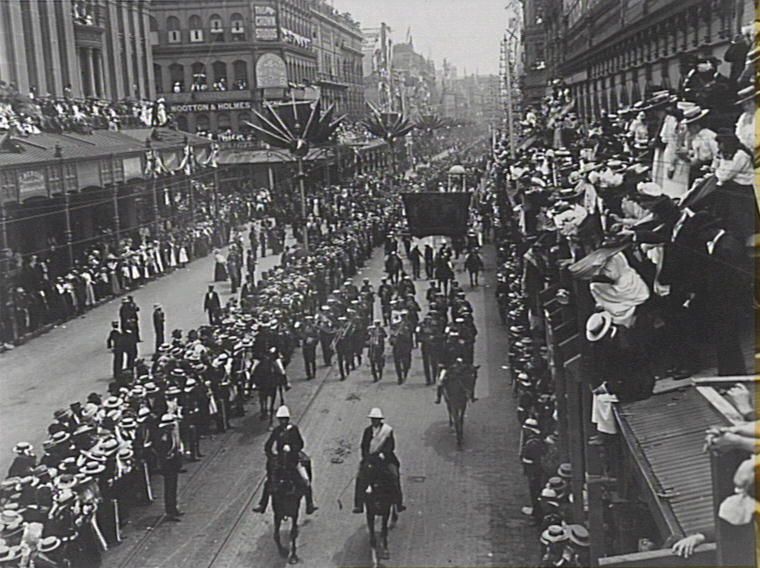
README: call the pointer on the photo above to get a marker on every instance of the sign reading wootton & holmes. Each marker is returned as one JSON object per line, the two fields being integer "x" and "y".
{"x": 211, "y": 107}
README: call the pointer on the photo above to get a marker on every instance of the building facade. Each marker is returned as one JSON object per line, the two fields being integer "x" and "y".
{"x": 81, "y": 48}
{"x": 611, "y": 54}
{"x": 216, "y": 60}
{"x": 416, "y": 78}
{"x": 533, "y": 76}
{"x": 338, "y": 44}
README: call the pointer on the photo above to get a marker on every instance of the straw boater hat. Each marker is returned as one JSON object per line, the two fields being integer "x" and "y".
{"x": 578, "y": 535}
{"x": 554, "y": 534}
{"x": 694, "y": 114}
{"x": 597, "y": 325}
{"x": 746, "y": 94}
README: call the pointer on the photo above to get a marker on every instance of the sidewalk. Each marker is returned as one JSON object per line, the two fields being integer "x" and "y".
{"x": 71, "y": 360}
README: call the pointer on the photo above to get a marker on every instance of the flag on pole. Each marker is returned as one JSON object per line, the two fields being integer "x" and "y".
{"x": 433, "y": 213}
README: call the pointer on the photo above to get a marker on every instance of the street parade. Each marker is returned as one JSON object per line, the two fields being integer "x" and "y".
{"x": 359, "y": 308}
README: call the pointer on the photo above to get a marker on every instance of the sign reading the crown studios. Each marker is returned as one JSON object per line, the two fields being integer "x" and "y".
{"x": 211, "y": 107}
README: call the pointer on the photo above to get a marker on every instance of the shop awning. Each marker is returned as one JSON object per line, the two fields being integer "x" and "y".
{"x": 665, "y": 437}
{"x": 235, "y": 156}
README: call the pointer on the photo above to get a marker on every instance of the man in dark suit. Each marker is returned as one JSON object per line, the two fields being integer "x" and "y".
{"x": 378, "y": 442}
{"x": 212, "y": 305}
{"x": 115, "y": 343}
{"x": 169, "y": 452}
{"x": 285, "y": 443}
{"x": 129, "y": 315}
{"x": 159, "y": 321}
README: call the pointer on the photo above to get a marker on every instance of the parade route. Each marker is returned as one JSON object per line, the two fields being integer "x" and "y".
{"x": 463, "y": 506}
{"x": 71, "y": 360}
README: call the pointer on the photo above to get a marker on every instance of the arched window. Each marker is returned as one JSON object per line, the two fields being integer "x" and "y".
{"x": 219, "y": 69}
{"x": 240, "y": 74}
{"x": 174, "y": 34}
{"x": 216, "y": 24}
{"x": 244, "y": 118}
{"x": 177, "y": 77}
{"x": 216, "y": 28}
{"x": 196, "y": 29}
{"x": 182, "y": 122}
{"x": 223, "y": 121}
{"x": 157, "y": 75}
{"x": 201, "y": 123}
{"x": 199, "y": 77}
{"x": 237, "y": 27}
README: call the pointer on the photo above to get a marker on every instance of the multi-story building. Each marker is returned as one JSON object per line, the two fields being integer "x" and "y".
{"x": 611, "y": 54}
{"x": 79, "y": 48}
{"x": 416, "y": 77}
{"x": 215, "y": 60}
{"x": 338, "y": 44}
{"x": 376, "y": 66}
{"x": 533, "y": 76}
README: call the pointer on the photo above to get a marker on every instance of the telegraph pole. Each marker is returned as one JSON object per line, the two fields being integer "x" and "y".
{"x": 506, "y": 91}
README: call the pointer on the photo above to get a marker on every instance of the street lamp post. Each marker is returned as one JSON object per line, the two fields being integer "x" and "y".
{"x": 116, "y": 218}
{"x": 154, "y": 193}
{"x": 302, "y": 190}
{"x": 67, "y": 232}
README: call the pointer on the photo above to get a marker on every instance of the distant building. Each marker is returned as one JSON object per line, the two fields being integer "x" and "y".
{"x": 216, "y": 60}
{"x": 611, "y": 54}
{"x": 416, "y": 79}
{"x": 81, "y": 48}
{"x": 338, "y": 44}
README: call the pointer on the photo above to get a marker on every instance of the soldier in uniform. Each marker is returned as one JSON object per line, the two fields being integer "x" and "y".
{"x": 430, "y": 335}
{"x": 385, "y": 292}
{"x": 309, "y": 340}
{"x": 286, "y": 444}
{"x": 343, "y": 347}
{"x": 326, "y": 328}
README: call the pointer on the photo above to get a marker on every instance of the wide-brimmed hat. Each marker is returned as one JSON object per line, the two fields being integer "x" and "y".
{"x": 597, "y": 325}
{"x": 93, "y": 468}
{"x": 375, "y": 413}
{"x": 65, "y": 481}
{"x": 659, "y": 99}
{"x": 565, "y": 471}
{"x": 60, "y": 438}
{"x": 112, "y": 403}
{"x": 695, "y": 113}
{"x": 578, "y": 535}
{"x": 167, "y": 420}
{"x": 554, "y": 534}
{"x": 9, "y": 553}
{"x": 48, "y": 544}
{"x": 746, "y": 94}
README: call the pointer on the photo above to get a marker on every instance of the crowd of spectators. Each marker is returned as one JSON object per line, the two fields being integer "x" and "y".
{"x": 652, "y": 211}
{"x": 68, "y": 503}
{"x": 24, "y": 115}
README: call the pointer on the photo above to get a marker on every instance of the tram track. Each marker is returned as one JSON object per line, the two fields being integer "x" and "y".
{"x": 194, "y": 481}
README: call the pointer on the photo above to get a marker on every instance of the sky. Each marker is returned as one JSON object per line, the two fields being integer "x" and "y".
{"x": 465, "y": 32}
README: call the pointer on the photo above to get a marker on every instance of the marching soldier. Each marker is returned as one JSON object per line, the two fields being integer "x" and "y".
{"x": 343, "y": 347}
{"x": 385, "y": 292}
{"x": 309, "y": 340}
{"x": 326, "y": 329}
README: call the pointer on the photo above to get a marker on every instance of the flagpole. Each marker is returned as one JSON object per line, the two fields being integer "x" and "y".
{"x": 151, "y": 166}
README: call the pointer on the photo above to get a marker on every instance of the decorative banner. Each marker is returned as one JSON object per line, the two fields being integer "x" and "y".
{"x": 271, "y": 72}
{"x": 433, "y": 213}
{"x": 31, "y": 183}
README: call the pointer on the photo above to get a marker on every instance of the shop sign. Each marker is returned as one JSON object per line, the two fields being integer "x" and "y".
{"x": 265, "y": 23}
{"x": 271, "y": 72}
{"x": 31, "y": 183}
{"x": 212, "y": 107}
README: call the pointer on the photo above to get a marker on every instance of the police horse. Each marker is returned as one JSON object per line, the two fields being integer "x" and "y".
{"x": 269, "y": 377}
{"x": 287, "y": 490}
{"x": 379, "y": 501}
{"x": 457, "y": 390}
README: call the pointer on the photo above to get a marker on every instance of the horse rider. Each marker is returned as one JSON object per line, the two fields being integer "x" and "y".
{"x": 378, "y": 442}
{"x": 461, "y": 371}
{"x": 309, "y": 339}
{"x": 285, "y": 442}
{"x": 406, "y": 287}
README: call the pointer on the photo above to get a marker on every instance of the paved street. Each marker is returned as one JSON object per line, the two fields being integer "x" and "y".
{"x": 71, "y": 360}
{"x": 463, "y": 506}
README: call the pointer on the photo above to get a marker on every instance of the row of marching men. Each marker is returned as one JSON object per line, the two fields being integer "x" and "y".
{"x": 69, "y": 504}
{"x": 563, "y": 542}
